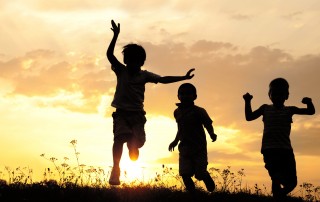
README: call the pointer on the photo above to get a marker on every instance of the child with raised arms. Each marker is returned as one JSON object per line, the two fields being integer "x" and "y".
{"x": 129, "y": 117}
{"x": 276, "y": 146}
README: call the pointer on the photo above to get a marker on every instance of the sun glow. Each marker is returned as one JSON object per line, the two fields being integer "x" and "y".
{"x": 27, "y": 64}
{"x": 132, "y": 170}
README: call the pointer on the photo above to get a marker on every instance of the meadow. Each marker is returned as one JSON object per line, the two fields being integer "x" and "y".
{"x": 63, "y": 182}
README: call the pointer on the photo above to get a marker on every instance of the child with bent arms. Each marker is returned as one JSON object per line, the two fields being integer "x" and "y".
{"x": 129, "y": 117}
{"x": 191, "y": 119}
{"x": 276, "y": 147}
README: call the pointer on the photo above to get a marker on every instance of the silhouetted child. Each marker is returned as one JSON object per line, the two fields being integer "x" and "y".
{"x": 276, "y": 146}
{"x": 193, "y": 159}
{"x": 129, "y": 117}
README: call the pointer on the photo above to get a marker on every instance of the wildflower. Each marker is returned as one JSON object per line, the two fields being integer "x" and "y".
{"x": 73, "y": 142}
{"x": 53, "y": 159}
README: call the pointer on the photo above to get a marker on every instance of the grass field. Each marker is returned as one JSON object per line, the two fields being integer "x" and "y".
{"x": 52, "y": 192}
{"x": 81, "y": 183}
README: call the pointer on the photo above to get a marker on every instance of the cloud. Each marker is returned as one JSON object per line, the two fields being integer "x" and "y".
{"x": 222, "y": 77}
{"x": 220, "y": 157}
{"x": 305, "y": 135}
{"x": 209, "y": 46}
{"x": 88, "y": 5}
{"x": 223, "y": 74}
{"x": 70, "y": 5}
{"x": 241, "y": 17}
{"x": 293, "y": 16}
{"x": 42, "y": 73}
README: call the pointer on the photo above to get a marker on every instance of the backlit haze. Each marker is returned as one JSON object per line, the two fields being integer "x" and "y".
{"x": 56, "y": 84}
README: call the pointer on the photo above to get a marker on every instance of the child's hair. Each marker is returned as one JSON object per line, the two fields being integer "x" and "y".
{"x": 279, "y": 84}
{"x": 134, "y": 51}
{"x": 189, "y": 87}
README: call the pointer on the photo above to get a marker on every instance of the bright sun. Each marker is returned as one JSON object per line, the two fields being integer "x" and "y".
{"x": 132, "y": 170}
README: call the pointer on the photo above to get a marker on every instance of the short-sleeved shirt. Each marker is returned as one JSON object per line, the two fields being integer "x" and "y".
{"x": 190, "y": 122}
{"x": 129, "y": 94}
{"x": 277, "y": 127}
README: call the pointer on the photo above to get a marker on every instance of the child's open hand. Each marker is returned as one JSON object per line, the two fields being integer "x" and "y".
{"x": 306, "y": 100}
{"x": 115, "y": 28}
{"x": 189, "y": 75}
{"x": 172, "y": 146}
{"x": 247, "y": 97}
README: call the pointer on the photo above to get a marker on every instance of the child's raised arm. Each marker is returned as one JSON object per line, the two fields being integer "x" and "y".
{"x": 310, "y": 110}
{"x": 172, "y": 79}
{"x": 110, "y": 55}
{"x": 251, "y": 115}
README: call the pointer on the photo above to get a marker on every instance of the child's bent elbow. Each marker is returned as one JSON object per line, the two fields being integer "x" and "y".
{"x": 311, "y": 111}
{"x": 249, "y": 118}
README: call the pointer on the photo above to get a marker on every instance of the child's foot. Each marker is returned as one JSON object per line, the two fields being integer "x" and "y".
{"x": 188, "y": 182}
{"x": 208, "y": 181}
{"x": 133, "y": 153}
{"x": 280, "y": 196}
{"x": 115, "y": 176}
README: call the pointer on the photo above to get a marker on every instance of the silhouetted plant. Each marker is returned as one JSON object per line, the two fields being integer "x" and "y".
{"x": 309, "y": 192}
{"x": 166, "y": 184}
{"x": 79, "y": 166}
{"x": 226, "y": 180}
{"x": 168, "y": 178}
{"x": 79, "y": 175}
{"x": 19, "y": 175}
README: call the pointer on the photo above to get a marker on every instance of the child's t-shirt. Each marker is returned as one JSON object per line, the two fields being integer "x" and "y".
{"x": 277, "y": 127}
{"x": 190, "y": 122}
{"x": 129, "y": 94}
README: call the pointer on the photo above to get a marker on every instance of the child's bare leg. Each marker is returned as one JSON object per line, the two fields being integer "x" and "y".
{"x": 133, "y": 150}
{"x": 288, "y": 187}
{"x": 208, "y": 181}
{"x": 188, "y": 182}
{"x": 276, "y": 189}
{"x": 117, "y": 153}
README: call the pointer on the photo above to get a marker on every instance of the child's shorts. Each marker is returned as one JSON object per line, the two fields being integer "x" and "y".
{"x": 193, "y": 164}
{"x": 128, "y": 126}
{"x": 281, "y": 165}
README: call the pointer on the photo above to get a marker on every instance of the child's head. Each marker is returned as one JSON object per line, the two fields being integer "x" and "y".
{"x": 279, "y": 90}
{"x": 134, "y": 55}
{"x": 187, "y": 92}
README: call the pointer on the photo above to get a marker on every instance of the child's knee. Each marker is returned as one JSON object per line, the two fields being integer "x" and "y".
{"x": 120, "y": 139}
{"x": 135, "y": 143}
{"x": 188, "y": 182}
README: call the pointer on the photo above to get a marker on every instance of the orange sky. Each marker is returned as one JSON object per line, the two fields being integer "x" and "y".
{"x": 56, "y": 84}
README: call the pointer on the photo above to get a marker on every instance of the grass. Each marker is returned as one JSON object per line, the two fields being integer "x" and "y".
{"x": 52, "y": 192}
{"x": 83, "y": 183}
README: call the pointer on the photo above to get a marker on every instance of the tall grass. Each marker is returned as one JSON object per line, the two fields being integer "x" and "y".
{"x": 63, "y": 182}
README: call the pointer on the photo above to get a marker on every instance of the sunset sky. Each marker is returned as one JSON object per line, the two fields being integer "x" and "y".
{"x": 56, "y": 84}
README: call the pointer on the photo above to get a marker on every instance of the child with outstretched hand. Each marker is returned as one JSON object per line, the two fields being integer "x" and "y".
{"x": 129, "y": 117}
